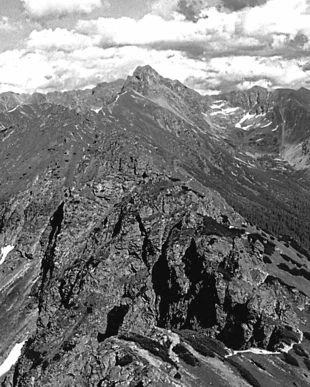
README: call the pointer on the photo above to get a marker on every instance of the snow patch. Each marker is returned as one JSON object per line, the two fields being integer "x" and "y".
{"x": 237, "y": 158}
{"x": 246, "y": 127}
{"x": 225, "y": 112}
{"x": 117, "y": 98}
{"x": 12, "y": 358}
{"x": 231, "y": 110}
{"x": 257, "y": 351}
{"x": 248, "y": 116}
{"x": 286, "y": 348}
{"x": 265, "y": 126}
{"x": 4, "y": 253}
{"x": 96, "y": 110}
{"x": 216, "y": 113}
{"x": 12, "y": 110}
{"x": 217, "y": 105}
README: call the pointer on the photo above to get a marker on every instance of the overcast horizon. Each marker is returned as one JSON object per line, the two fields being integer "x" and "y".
{"x": 210, "y": 45}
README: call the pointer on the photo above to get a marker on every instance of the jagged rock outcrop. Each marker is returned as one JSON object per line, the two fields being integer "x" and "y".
{"x": 164, "y": 257}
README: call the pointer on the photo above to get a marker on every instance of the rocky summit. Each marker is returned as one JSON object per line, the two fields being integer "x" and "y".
{"x": 152, "y": 236}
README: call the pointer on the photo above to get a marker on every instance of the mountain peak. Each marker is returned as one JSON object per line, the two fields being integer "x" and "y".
{"x": 143, "y": 76}
{"x": 303, "y": 90}
{"x": 258, "y": 88}
{"x": 143, "y": 79}
{"x": 147, "y": 70}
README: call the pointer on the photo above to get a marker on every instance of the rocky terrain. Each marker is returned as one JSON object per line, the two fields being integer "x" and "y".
{"x": 151, "y": 236}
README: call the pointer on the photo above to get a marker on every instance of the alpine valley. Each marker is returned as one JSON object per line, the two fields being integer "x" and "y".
{"x": 152, "y": 236}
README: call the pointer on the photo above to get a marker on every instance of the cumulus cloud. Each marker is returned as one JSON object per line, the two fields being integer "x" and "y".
{"x": 252, "y": 28}
{"x": 193, "y": 9}
{"x": 150, "y": 29}
{"x": 23, "y": 70}
{"x": 278, "y": 17}
{"x": 208, "y": 44}
{"x": 46, "y": 8}
{"x": 257, "y": 18}
{"x": 45, "y": 69}
{"x": 58, "y": 39}
{"x": 246, "y": 71}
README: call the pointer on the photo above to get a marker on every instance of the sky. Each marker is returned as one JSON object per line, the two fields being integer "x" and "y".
{"x": 210, "y": 45}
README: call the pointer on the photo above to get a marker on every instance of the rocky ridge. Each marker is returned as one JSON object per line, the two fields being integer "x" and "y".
{"x": 130, "y": 266}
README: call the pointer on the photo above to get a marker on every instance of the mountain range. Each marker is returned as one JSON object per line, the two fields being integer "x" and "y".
{"x": 152, "y": 236}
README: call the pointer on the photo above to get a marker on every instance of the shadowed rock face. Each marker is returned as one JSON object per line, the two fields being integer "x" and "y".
{"x": 138, "y": 253}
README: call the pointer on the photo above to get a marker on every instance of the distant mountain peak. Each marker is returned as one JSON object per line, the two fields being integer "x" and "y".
{"x": 147, "y": 70}
{"x": 142, "y": 78}
{"x": 258, "y": 88}
{"x": 303, "y": 90}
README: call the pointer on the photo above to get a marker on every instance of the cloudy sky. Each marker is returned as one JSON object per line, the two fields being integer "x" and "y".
{"x": 211, "y": 45}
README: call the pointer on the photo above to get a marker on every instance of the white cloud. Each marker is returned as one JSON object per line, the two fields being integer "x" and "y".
{"x": 255, "y": 27}
{"x": 265, "y": 22}
{"x": 148, "y": 30}
{"x": 245, "y": 71}
{"x": 154, "y": 29}
{"x": 6, "y": 25}
{"x": 44, "y": 8}
{"x": 227, "y": 49}
{"x": 277, "y": 17}
{"x": 279, "y": 41}
{"x": 170, "y": 9}
{"x": 166, "y": 9}
{"x": 22, "y": 70}
{"x": 46, "y": 69}
{"x": 214, "y": 34}
{"x": 58, "y": 39}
